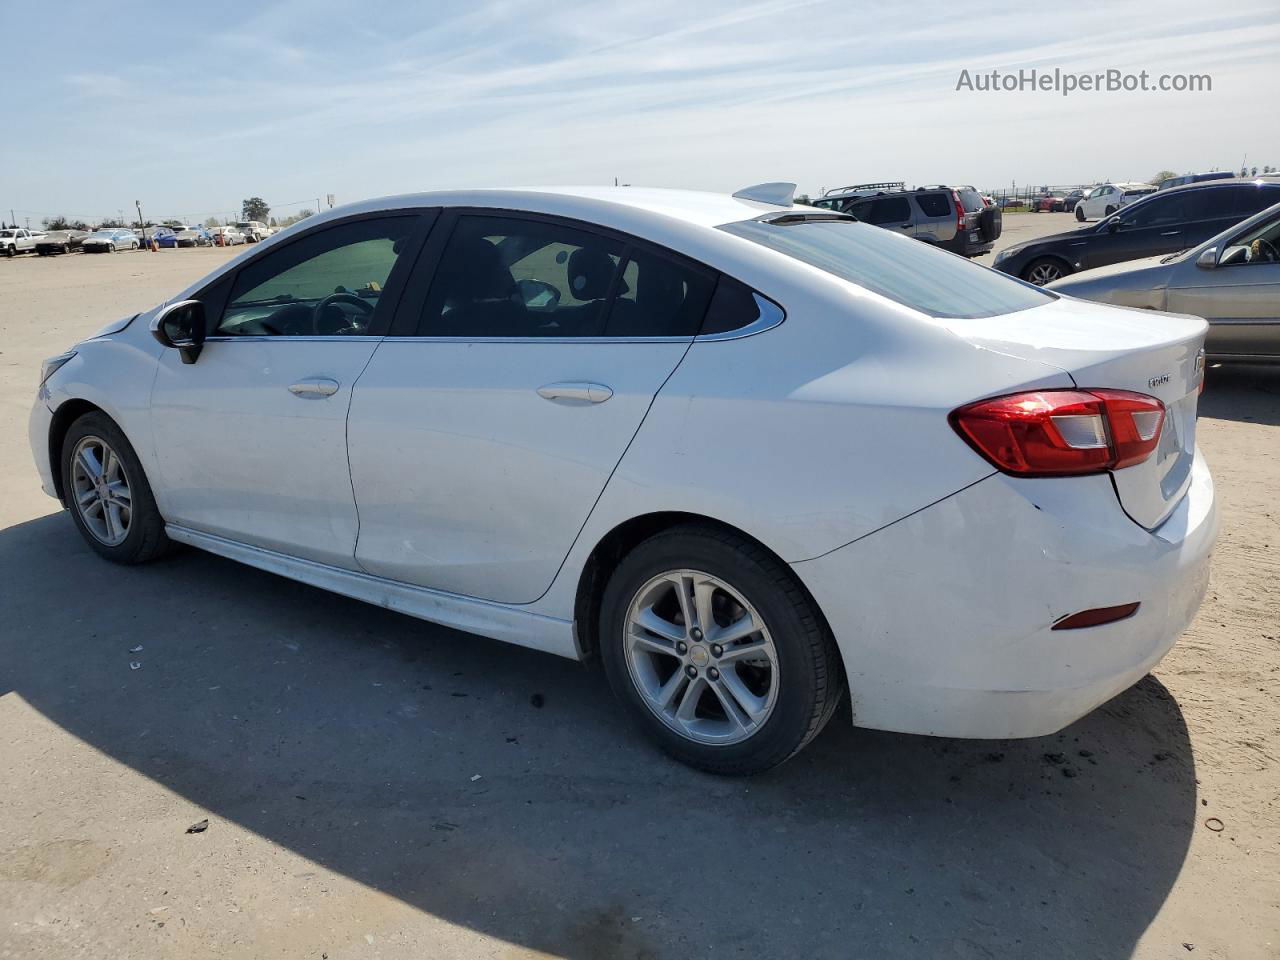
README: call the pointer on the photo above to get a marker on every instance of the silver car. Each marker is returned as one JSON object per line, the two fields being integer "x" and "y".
{"x": 1232, "y": 280}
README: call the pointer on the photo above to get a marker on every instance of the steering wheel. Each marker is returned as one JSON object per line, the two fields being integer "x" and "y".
{"x": 1267, "y": 250}
{"x": 317, "y": 315}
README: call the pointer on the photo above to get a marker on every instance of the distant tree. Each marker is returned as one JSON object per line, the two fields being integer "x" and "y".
{"x": 57, "y": 223}
{"x": 804, "y": 198}
{"x": 303, "y": 214}
{"x": 1162, "y": 175}
{"x": 255, "y": 208}
{"x": 213, "y": 222}
{"x": 110, "y": 222}
{"x": 79, "y": 225}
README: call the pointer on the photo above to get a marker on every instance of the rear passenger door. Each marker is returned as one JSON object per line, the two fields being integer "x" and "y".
{"x": 522, "y": 361}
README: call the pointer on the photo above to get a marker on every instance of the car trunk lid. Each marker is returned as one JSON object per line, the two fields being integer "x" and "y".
{"x": 1157, "y": 354}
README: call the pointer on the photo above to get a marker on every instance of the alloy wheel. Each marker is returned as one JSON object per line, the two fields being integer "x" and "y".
{"x": 100, "y": 490}
{"x": 1043, "y": 273}
{"x": 701, "y": 657}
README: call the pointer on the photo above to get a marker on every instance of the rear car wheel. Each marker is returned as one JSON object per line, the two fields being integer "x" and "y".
{"x": 717, "y": 652}
{"x": 1110, "y": 210}
{"x": 108, "y": 493}
{"x": 1044, "y": 270}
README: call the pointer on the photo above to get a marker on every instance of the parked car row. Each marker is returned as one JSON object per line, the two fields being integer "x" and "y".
{"x": 16, "y": 240}
{"x": 1159, "y": 223}
{"x": 1231, "y": 279}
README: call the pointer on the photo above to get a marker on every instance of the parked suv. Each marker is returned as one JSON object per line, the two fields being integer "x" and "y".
{"x": 954, "y": 218}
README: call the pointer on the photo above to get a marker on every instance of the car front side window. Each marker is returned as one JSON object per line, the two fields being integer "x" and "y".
{"x": 329, "y": 283}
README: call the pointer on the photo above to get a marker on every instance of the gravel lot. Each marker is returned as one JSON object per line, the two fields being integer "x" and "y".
{"x": 334, "y": 749}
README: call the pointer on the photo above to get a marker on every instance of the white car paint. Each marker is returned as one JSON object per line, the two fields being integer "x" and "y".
{"x": 1106, "y": 198}
{"x": 474, "y": 502}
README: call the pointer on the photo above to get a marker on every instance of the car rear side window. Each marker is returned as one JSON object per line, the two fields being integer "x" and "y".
{"x": 884, "y": 210}
{"x": 735, "y": 306}
{"x": 509, "y": 277}
{"x": 935, "y": 204}
{"x": 903, "y": 270}
{"x": 1249, "y": 200}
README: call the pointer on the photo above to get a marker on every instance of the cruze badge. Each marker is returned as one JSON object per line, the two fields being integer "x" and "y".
{"x": 1157, "y": 381}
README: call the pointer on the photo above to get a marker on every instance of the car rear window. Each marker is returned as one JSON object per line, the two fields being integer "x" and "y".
{"x": 971, "y": 200}
{"x": 904, "y": 270}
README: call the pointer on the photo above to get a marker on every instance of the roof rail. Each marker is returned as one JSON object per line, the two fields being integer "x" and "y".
{"x": 885, "y": 185}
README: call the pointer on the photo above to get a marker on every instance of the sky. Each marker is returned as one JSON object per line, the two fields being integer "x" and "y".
{"x": 192, "y": 107}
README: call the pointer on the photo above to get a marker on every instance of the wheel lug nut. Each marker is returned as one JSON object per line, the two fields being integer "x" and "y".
{"x": 713, "y": 673}
{"x": 716, "y": 649}
{"x": 691, "y": 671}
{"x": 682, "y": 647}
{"x": 695, "y": 633}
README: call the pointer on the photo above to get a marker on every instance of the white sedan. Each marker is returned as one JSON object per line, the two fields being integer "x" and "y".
{"x": 750, "y": 455}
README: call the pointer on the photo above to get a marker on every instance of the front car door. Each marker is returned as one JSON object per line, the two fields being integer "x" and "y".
{"x": 251, "y": 438}
{"x": 1240, "y": 297}
{"x": 1147, "y": 229}
{"x": 481, "y": 440}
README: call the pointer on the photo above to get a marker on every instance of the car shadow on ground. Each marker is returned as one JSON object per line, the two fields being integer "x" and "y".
{"x": 1240, "y": 391}
{"x": 351, "y": 734}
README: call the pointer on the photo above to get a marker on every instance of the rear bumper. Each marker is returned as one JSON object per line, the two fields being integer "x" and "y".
{"x": 966, "y": 247}
{"x": 944, "y": 619}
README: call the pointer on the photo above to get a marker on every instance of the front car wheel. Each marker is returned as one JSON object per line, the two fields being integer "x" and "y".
{"x": 1044, "y": 270}
{"x": 717, "y": 652}
{"x": 108, "y": 493}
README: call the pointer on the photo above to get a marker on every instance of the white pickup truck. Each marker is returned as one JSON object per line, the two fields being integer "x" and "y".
{"x": 15, "y": 240}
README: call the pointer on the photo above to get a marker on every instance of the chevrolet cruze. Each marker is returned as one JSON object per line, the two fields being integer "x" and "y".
{"x": 753, "y": 456}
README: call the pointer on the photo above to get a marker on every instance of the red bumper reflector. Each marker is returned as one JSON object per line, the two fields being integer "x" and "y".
{"x": 1096, "y": 617}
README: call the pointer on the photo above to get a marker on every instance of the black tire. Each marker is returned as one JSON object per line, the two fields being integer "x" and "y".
{"x": 1079, "y": 213}
{"x": 10, "y": 250}
{"x": 1044, "y": 270}
{"x": 1110, "y": 210}
{"x": 809, "y": 675}
{"x": 146, "y": 539}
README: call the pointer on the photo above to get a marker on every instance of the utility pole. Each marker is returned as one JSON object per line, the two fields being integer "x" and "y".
{"x": 142, "y": 224}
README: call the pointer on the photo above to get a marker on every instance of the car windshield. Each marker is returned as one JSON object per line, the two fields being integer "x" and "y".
{"x": 908, "y": 272}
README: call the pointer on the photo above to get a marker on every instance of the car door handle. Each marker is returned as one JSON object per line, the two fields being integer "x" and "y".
{"x": 1171, "y": 233}
{"x": 575, "y": 392}
{"x": 314, "y": 387}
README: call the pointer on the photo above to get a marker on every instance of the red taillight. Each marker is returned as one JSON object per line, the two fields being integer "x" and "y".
{"x": 1062, "y": 432}
{"x": 960, "y": 221}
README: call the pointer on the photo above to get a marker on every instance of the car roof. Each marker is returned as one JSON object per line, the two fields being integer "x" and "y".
{"x": 595, "y": 204}
{"x": 1219, "y": 184}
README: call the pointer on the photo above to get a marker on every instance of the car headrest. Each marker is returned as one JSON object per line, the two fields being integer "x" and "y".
{"x": 478, "y": 271}
{"x": 590, "y": 271}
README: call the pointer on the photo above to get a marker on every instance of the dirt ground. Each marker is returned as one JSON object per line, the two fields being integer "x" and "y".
{"x": 379, "y": 787}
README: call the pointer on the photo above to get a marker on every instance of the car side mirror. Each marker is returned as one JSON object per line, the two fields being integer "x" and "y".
{"x": 1208, "y": 259}
{"x": 181, "y": 326}
{"x": 1113, "y": 226}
